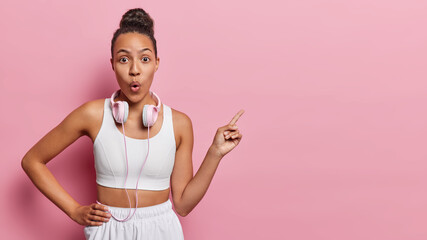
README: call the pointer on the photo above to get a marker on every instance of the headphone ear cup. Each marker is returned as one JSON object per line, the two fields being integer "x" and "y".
{"x": 125, "y": 111}
{"x": 149, "y": 115}
{"x": 120, "y": 111}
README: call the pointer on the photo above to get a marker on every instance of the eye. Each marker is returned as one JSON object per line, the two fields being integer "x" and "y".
{"x": 146, "y": 58}
{"x": 120, "y": 60}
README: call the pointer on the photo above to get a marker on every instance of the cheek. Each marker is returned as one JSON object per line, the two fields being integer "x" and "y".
{"x": 120, "y": 72}
{"x": 149, "y": 70}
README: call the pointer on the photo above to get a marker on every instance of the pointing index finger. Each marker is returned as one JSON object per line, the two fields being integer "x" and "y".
{"x": 236, "y": 117}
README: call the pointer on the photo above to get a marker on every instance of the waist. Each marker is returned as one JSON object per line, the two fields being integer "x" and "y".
{"x": 141, "y": 212}
{"x": 116, "y": 197}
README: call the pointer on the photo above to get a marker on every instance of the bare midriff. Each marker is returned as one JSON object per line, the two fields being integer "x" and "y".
{"x": 116, "y": 197}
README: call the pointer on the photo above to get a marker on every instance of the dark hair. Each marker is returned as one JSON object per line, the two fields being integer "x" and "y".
{"x": 139, "y": 21}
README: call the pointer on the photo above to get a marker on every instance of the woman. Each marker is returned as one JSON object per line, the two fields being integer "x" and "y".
{"x": 153, "y": 159}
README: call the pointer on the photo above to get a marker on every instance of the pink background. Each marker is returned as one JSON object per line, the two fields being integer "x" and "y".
{"x": 335, "y": 128}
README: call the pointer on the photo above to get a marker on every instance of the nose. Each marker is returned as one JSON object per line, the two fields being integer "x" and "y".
{"x": 134, "y": 69}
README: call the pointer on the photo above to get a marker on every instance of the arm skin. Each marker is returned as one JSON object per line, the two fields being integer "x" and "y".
{"x": 34, "y": 163}
{"x": 187, "y": 191}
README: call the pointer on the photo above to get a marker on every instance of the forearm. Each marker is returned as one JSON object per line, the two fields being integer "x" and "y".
{"x": 198, "y": 186}
{"x": 44, "y": 180}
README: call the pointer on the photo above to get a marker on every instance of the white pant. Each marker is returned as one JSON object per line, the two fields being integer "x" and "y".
{"x": 153, "y": 222}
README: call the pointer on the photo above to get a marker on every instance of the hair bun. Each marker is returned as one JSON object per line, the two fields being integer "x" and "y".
{"x": 137, "y": 18}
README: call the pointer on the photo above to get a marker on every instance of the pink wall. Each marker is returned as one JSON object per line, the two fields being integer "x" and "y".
{"x": 335, "y": 128}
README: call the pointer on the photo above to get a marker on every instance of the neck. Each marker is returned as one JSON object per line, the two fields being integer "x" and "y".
{"x": 136, "y": 108}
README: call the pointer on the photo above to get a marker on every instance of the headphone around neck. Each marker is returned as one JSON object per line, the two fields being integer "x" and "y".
{"x": 120, "y": 110}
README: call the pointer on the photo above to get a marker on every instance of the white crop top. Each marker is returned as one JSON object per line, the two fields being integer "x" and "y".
{"x": 110, "y": 159}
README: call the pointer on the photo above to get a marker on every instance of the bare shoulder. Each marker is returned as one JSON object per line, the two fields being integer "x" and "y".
{"x": 182, "y": 125}
{"x": 92, "y": 109}
{"x": 92, "y": 113}
{"x": 180, "y": 118}
{"x": 84, "y": 120}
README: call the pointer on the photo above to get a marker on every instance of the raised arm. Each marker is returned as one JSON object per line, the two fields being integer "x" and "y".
{"x": 75, "y": 125}
{"x": 187, "y": 191}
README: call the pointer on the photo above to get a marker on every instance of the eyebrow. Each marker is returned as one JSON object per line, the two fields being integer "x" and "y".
{"x": 126, "y": 51}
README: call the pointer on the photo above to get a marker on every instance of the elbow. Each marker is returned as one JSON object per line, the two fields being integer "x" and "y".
{"x": 182, "y": 213}
{"x": 24, "y": 164}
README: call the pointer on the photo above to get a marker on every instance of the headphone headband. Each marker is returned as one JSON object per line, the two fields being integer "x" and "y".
{"x": 114, "y": 95}
{"x": 158, "y": 100}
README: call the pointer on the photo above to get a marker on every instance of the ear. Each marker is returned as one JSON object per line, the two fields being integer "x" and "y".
{"x": 112, "y": 65}
{"x": 157, "y": 63}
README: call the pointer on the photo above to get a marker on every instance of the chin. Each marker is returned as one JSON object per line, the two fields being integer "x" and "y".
{"x": 135, "y": 97}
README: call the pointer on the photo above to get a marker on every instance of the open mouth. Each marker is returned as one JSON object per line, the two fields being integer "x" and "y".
{"x": 135, "y": 86}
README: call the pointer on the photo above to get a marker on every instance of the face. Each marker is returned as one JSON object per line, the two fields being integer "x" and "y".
{"x": 134, "y": 64}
